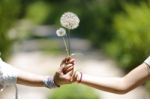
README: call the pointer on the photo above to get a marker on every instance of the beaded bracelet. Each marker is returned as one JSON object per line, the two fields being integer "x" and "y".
{"x": 49, "y": 83}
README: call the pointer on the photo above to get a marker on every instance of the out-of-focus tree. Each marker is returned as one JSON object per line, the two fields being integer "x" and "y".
{"x": 96, "y": 15}
{"x": 37, "y": 12}
{"x": 9, "y": 12}
{"x": 130, "y": 45}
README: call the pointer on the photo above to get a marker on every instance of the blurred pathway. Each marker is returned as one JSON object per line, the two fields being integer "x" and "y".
{"x": 90, "y": 63}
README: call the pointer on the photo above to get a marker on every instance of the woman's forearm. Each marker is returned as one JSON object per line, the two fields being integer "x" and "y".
{"x": 110, "y": 84}
{"x": 119, "y": 85}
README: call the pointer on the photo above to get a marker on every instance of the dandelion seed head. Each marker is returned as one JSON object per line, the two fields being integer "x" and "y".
{"x": 69, "y": 20}
{"x": 61, "y": 32}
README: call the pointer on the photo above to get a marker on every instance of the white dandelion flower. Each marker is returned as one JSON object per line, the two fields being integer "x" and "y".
{"x": 61, "y": 32}
{"x": 69, "y": 20}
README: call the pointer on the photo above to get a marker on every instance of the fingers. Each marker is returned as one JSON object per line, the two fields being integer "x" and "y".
{"x": 67, "y": 60}
{"x": 63, "y": 62}
{"x": 71, "y": 61}
{"x": 76, "y": 77}
{"x": 67, "y": 69}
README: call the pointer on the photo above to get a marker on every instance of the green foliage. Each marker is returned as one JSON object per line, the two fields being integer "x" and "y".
{"x": 130, "y": 46}
{"x": 96, "y": 16}
{"x": 147, "y": 85}
{"x": 37, "y": 12}
{"x": 9, "y": 10}
{"x": 74, "y": 92}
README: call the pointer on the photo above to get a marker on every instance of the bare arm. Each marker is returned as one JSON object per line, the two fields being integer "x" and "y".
{"x": 26, "y": 78}
{"x": 119, "y": 85}
{"x": 60, "y": 77}
{"x": 10, "y": 75}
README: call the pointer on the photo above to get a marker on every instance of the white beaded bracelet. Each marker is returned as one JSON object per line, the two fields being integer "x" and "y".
{"x": 147, "y": 61}
{"x": 49, "y": 83}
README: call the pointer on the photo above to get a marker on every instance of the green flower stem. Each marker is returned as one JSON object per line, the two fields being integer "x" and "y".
{"x": 66, "y": 45}
{"x": 68, "y": 38}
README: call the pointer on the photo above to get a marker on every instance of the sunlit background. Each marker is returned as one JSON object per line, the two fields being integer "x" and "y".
{"x": 113, "y": 37}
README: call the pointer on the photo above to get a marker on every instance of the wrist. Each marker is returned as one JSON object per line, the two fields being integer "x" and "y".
{"x": 49, "y": 83}
{"x": 79, "y": 76}
{"x": 55, "y": 82}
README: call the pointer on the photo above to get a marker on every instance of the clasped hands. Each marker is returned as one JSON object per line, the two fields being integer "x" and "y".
{"x": 66, "y": 73}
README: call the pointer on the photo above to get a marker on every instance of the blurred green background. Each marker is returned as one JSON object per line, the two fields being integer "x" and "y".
{"x": 118, "y": 28}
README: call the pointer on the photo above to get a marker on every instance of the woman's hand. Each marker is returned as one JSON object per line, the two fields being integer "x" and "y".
{"x": 65, "y": 72}
{"x": 77, "y": 76}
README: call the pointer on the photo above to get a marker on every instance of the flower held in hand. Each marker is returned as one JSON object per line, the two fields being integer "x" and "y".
{"x": 61, "y": 32}
{"x": 69, "y": 20}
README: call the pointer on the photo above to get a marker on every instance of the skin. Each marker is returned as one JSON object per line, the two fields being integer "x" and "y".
{"x": 65, "y": 75}
{"x": 118, "y": 85}
{"x": 62, "y": 75}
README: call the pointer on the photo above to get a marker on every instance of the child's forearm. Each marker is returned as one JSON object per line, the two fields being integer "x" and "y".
{"x": 30, "y": 79}
{"x": 11, "y": 75}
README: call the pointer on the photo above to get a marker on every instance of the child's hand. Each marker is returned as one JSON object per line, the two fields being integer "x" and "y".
{"x": 65, "y": 72}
